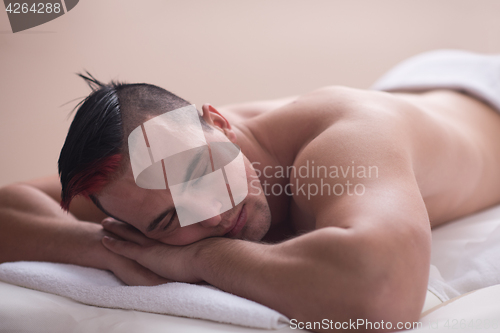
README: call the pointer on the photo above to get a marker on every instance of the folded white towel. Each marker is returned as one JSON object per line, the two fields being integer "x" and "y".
{"x": 101, "y": 288}
{"x": 475, "y": 74}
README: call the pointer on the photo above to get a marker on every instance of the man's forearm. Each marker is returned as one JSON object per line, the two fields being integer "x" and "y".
{"x": 33, "y": 227}
{"x": 322, "y": 274}
{"x": 304, "y": 278}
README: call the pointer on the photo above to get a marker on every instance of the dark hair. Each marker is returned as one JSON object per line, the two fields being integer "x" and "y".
{"x": 94, "y": 152}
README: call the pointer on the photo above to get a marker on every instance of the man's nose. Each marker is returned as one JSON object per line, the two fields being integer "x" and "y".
{"x": 213, "y": 206}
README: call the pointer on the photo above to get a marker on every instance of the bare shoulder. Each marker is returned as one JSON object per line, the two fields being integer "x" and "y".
{"x": 326, "y": 99}
{"x": 420, "y": 145}
{"x": 360, "y": 164}
{"x": 330, "y": 104}
{"x": 346, "y": 116}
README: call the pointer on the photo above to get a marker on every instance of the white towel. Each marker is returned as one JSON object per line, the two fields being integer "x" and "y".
{"x": 475, "y": 74}
{"x": 101, "y": 288}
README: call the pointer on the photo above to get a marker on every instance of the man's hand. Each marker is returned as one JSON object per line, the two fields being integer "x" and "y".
{"x": 128, "y": 270}
{"x": 171, "y": 263}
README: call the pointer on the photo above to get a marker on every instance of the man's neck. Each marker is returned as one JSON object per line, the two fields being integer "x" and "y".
{"x": 265, "y": 147}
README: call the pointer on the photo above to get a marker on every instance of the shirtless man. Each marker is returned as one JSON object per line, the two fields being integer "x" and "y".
{"x": 363, "y": 253}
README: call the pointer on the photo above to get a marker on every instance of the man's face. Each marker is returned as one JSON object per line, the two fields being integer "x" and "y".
{"x": 154, "y": 214}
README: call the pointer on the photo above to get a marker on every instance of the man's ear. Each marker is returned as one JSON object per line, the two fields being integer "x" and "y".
{"x": 215, "y": 119}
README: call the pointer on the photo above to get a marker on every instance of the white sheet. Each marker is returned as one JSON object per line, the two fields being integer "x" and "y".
{"x": 466, "y": 255}
{"x": 478, "y": 311}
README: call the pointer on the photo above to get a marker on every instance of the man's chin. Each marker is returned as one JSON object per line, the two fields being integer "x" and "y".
{"x": 255, "y": 233}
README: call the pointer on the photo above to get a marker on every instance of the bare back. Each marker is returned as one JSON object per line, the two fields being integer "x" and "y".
{"x": 453, "y": 140}
{"x": 457, "y": 155}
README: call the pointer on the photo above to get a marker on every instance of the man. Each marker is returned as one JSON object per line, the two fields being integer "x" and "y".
{"x": 344, "y": 187}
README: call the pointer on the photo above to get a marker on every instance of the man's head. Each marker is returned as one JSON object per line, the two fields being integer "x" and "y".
{"x": 95, "y": 163}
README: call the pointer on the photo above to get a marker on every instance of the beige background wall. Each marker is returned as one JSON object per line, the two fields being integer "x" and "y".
{"x": 212, "y": 51}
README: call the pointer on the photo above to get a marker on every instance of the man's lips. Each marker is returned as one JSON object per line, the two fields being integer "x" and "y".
{"x": 240, "y": 222}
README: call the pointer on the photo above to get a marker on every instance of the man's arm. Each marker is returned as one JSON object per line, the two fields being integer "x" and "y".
{"x": 34, "y": 228}
{"x": 333, "y": 273}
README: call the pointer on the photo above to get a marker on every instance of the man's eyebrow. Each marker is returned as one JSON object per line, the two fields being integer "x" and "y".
{"x": 152, "y": 226}
{"x": 98, "y": 205}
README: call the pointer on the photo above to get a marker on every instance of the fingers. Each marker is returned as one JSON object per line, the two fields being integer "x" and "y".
{"x": 147, "y": 279}
{"x": 141, "y": 276}
{"x": 133, "y": 274}
{"x": 123, "y": 248}
{"x": 141, "y": 255}
{"x": 148, "y": 256}
{"x": 164, "y": 260}
{"x": 126, "y": 232}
